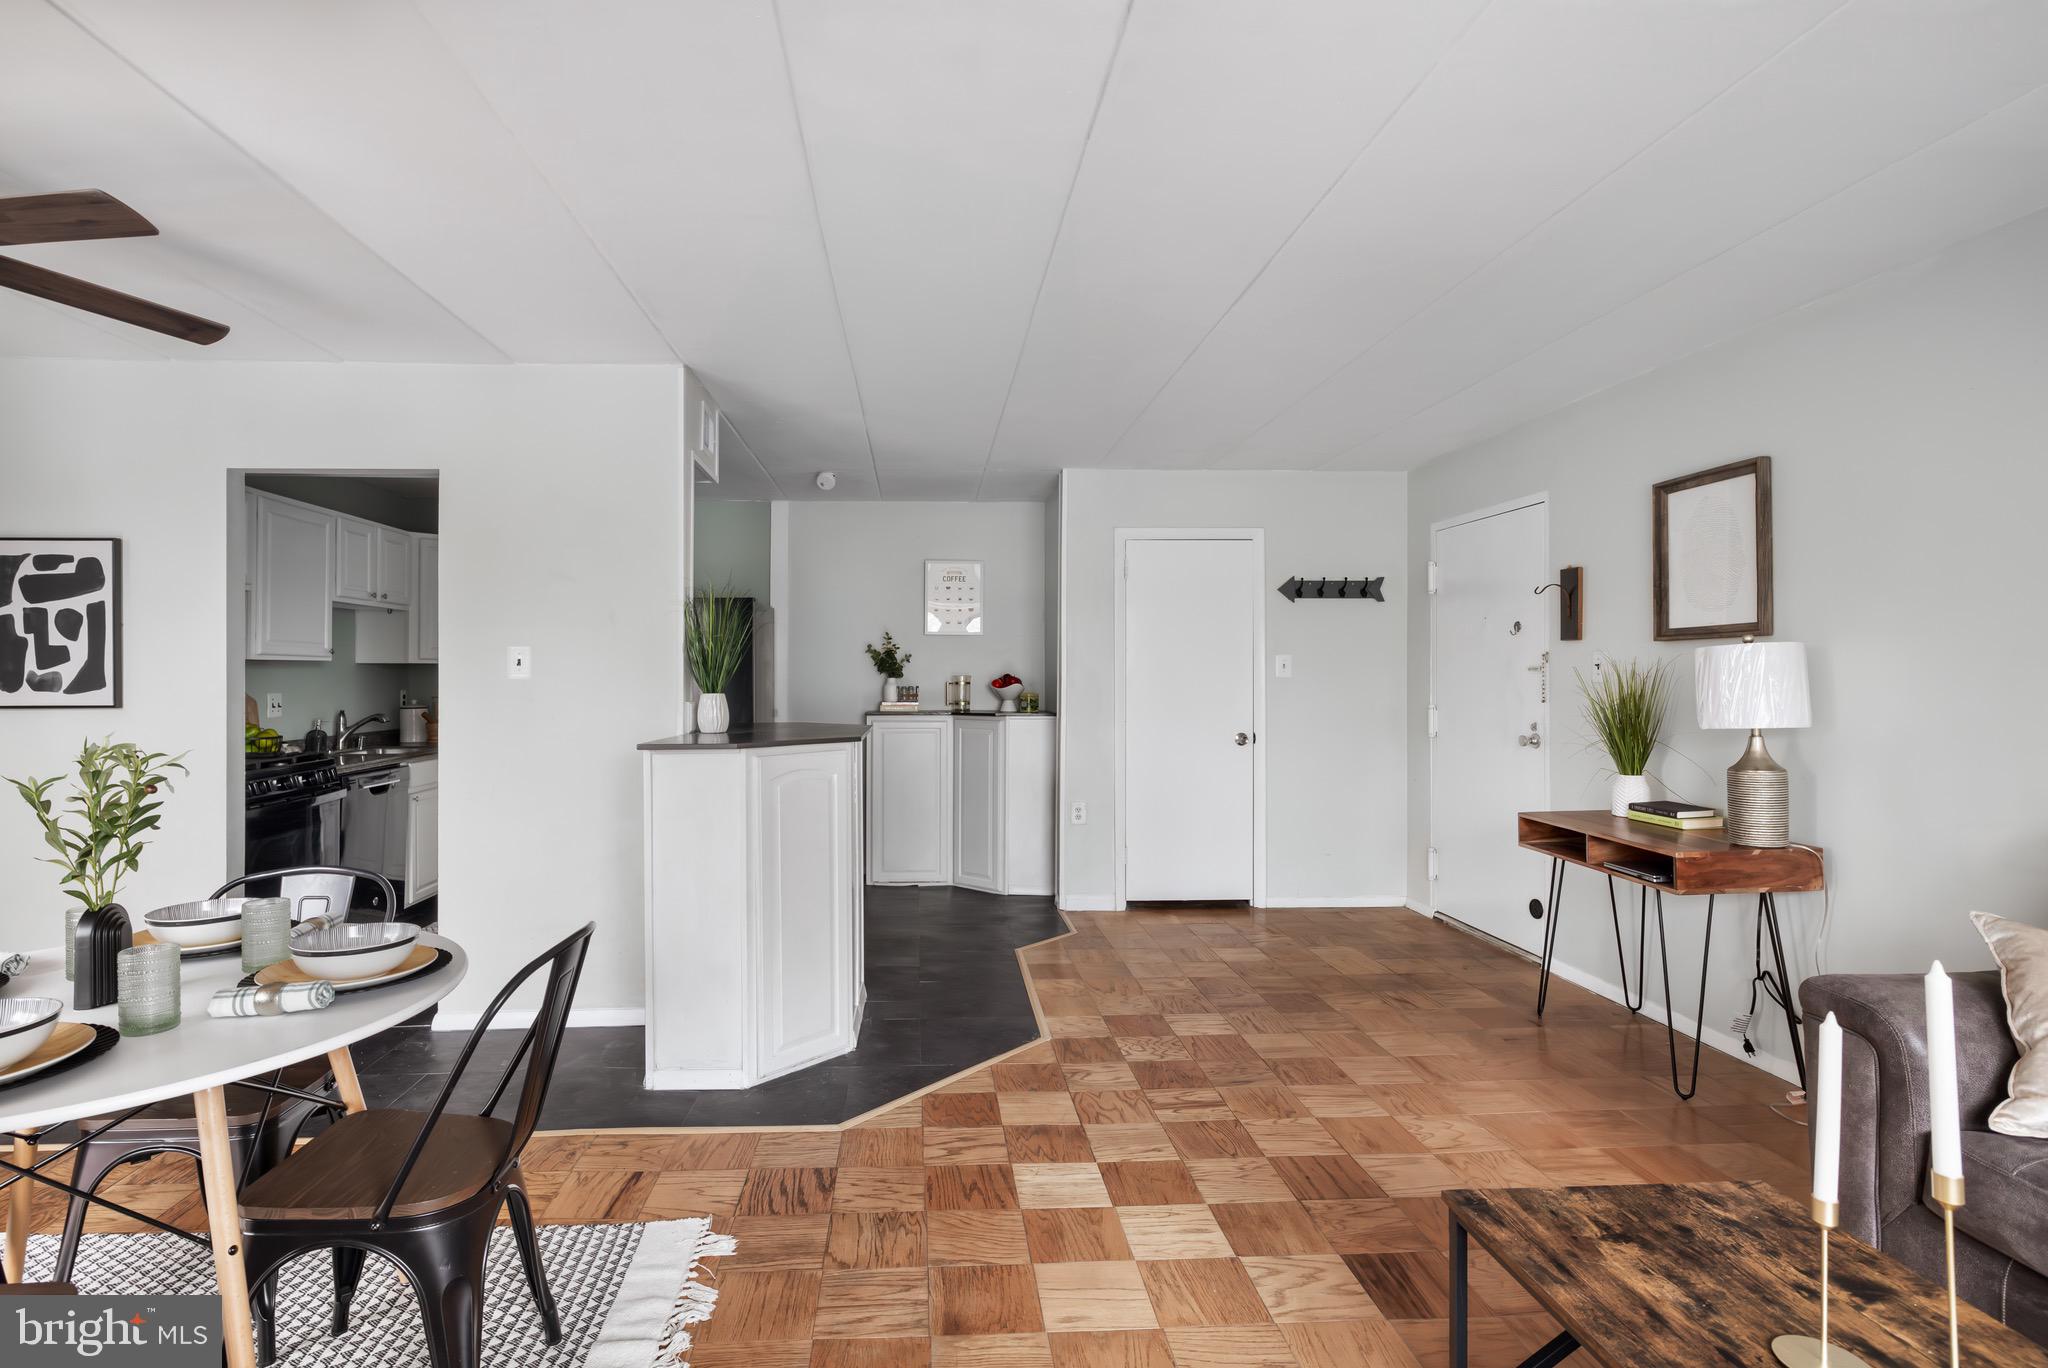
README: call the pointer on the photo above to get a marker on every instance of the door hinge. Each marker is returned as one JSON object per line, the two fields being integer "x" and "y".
{"x": 1432, "y": 720}
{"x": 1432, "y": 577}
{"x": 1432, "y": 864}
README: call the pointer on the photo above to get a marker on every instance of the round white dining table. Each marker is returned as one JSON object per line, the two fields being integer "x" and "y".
{"x": 200, "y": 1057}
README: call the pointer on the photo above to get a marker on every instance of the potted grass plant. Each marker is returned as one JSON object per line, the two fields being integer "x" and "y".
{"x": 716, "y": 628}
{"x": 97, "y": 832}
{"x": 1625, "y": 706}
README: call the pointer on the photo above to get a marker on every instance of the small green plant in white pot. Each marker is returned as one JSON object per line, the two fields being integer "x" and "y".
{"x": 888, "y": 660}
{"x": 97, "y": 832}
{"x": 716, "y": 629}
{"x": 1625, "y": 706}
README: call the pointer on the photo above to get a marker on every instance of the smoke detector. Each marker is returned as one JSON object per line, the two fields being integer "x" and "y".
{"x": 826, "y": 479}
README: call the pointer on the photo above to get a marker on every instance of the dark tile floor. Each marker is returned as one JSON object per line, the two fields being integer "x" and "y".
{"x": 944, "y": 993}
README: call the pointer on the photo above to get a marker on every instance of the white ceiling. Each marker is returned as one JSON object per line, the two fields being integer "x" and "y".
{"x": 947, "y": 247}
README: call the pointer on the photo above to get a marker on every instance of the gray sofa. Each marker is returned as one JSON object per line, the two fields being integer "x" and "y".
{"x": 2002, "y": 1230}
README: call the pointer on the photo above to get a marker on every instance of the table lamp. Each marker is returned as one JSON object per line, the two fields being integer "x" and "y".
{"x": 1751, "y": 685}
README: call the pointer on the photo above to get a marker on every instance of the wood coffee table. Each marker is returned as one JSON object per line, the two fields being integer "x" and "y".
{"x": 1703, "y": 1274}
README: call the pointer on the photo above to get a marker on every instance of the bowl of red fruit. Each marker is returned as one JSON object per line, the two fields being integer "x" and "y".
{"x": 1007, "y": 687}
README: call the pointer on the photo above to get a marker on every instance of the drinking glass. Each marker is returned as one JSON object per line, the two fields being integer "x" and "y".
{"x": 266, "y": 932}
{"x": 149, "y": 989}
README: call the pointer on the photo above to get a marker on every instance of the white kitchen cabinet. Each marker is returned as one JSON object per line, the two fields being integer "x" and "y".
{"x": 985, "y": 780}
{"x": 355, "y": 560}
{"x": 422, "y": 831}
{"x": 978, "y": 803}
{"x": 291, "y": 581}
{"x": 754, "y": 909}
{"x": 426, "y": 592}
{"x": 394, "y": 562}
{"x": 910, "y": 804}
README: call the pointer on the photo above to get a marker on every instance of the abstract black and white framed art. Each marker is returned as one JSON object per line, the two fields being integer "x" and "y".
{"x": 60, "y": 622}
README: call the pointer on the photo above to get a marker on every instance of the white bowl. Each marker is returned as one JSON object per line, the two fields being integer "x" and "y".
{"x": 25, "y": 1023}
{"x": 353, "y": 950}
{"x": 216, "y": 921}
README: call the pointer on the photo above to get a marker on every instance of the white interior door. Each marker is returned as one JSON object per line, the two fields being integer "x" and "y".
{"x": 1489, "y": 757}
{"x": 1191, "y": 674}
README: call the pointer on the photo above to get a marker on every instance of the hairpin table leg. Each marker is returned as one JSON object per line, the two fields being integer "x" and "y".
{"x": 1670, "y": 1010}
{"x": 1621, "y": 956}
{"x": 1767, "y": 912}
{"x": 1556, "y": 892}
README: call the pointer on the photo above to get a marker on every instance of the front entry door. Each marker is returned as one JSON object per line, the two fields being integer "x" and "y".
{"x": 1191, "y": 676}
{"x": 1489, "y": 756}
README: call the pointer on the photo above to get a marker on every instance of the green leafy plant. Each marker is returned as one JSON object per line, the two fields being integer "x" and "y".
{"x": 716, "y": 628}
{"x": 97, "y": 832}
{"x": 1625, "y": 708}
{"x": 890, "y": 659}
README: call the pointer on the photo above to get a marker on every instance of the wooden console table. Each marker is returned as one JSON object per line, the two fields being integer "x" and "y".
{"x": 1656, "y": 859}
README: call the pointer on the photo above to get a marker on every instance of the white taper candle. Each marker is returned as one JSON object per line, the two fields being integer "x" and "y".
{"x": 1946, "y": 1127}
{"x": 1827, "y": 1113}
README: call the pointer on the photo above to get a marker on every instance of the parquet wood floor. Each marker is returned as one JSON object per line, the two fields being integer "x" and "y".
{"x": 1227, "y": 1153}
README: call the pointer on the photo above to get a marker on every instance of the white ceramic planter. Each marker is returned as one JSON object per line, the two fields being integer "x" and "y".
{"x": 713, "y": 716}
{"x": 1624, "y": 789}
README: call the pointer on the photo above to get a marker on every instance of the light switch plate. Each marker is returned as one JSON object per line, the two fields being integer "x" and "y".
{"x": 518, "y": 662}
{"x": 273, "y": 705}
{"x": 1283, "y": 667}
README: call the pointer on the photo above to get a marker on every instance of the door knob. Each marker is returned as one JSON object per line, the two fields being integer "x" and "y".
{"x": 1244, "y": 739}
{"x": 1533, "y": 741}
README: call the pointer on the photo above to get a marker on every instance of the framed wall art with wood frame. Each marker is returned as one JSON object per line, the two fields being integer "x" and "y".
{"x": 60, "y": 622}
{"x": 1712, "y": 553}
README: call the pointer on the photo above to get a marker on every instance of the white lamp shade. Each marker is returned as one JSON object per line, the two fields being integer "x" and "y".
{"x": 1751, "y": 684}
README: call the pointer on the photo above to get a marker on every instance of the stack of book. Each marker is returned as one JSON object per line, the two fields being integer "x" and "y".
{"x": 1675, "y": 816}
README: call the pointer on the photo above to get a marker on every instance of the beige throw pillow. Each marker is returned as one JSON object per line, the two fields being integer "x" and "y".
{"x": 2022, "y": 953}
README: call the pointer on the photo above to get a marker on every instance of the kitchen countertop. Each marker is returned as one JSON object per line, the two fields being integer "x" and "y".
{"x": 351, "y": 761}
{"x": 957, "y": 712}
{"x": 762, "y": 734}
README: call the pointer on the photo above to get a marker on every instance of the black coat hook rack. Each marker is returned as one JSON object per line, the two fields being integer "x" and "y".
{"x": 1299, "y": 588}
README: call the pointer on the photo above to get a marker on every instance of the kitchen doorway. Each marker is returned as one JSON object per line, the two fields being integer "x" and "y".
{"x": 334, "y": 679}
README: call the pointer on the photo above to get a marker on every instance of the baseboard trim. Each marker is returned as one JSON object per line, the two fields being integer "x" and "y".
{"x": 1310, "y": 902}
{"x": 519, "y": 1020}
{"x": 694, "y": 1080}
{"x": 1714, "y": 1036}
{"x": 1069, "y": 902}
{"x": 1417, "y": 908}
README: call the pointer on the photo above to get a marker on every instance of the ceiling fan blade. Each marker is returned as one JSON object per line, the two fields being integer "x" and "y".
{"x": 123, "y": 308}
{"x": 70, "y": 216}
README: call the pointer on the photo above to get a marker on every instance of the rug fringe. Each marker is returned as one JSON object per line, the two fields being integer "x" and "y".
{"x": 694, "y": 1301}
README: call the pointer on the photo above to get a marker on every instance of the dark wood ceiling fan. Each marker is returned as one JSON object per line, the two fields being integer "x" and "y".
{"x": 76, "y": 216}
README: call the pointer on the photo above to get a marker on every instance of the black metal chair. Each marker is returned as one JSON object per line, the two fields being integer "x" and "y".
{"x": 262, "y": 1127}
{"x": 422, "y": 1189}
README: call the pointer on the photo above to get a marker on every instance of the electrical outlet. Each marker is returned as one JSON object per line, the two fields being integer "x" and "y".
{"x": 1080, "y": 814}
{"x": 273, "y": 705}
{"x": 1283, "y": 667}
{"x": 518, "y": 662}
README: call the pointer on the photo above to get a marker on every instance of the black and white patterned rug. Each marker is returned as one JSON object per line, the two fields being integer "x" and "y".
{"x": 626, "y": 1293}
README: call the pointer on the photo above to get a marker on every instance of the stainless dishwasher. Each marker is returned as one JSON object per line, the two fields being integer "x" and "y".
{"x": 373, "y": 821}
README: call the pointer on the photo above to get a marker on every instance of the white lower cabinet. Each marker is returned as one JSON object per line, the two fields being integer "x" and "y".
{"x": 964, "y": 799}
{"x": 910, "y": 810}
{"x": 423, "y": 831}
{"x": 754, "y": 913}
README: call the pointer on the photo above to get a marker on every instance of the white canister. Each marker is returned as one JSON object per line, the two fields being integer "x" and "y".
{"x": 412, "y": 725}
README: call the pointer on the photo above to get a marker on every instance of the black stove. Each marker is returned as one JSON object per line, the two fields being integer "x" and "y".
{"x": 275, "y": 778}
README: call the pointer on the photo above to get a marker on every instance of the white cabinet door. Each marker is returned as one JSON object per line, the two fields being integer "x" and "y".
{"x": 423, "y": 844}
{"x": 355, "y": 561}
{"x": 393, "y": 580}
{"x": 800, "y": 836}
{"x": 1029, "y": 762}
{"x": 978, "y": 803}
{"x": 291, "y": 610}
{"x": 910, "y": 803}
{"x": 426, "y": 608}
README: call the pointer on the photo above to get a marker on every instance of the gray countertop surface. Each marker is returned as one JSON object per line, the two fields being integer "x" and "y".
{"x": 955, "y": 712}
{"x": 355, "y": 762}
{"x": 762, "y": 734}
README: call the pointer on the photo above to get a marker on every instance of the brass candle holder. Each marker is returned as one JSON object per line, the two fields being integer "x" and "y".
{"x": 1804, "y": 1351}
{"x": 1947, "y": 1191}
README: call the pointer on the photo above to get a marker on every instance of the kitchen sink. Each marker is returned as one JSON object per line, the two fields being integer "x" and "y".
{"x": 379, "y": 752}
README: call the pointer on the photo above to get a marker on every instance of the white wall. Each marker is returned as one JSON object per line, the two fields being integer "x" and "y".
{"x": 856, "y": 568}
{"x": 1335, "y": 755}
{"x": 560, "y": 530}
{"x": 1905, "y": 421}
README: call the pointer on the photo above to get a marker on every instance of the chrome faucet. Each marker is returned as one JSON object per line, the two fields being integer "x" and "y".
{"x": 344, "y": 729}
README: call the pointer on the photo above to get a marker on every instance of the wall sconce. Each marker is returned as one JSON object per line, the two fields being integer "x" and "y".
{"x": 1571, "y": 623}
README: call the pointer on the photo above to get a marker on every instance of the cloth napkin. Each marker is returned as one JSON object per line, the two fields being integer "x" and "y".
{"x": 271, "y": 999}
